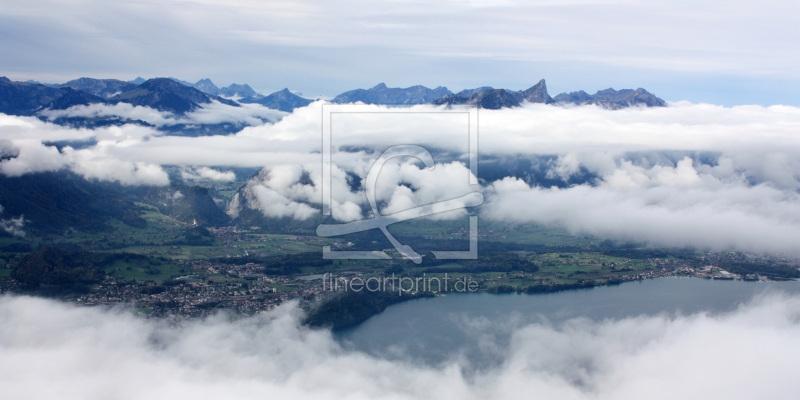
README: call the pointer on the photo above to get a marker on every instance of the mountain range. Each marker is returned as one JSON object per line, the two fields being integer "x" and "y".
{"x": 105, "y": 88}
{"x": 493, "y": 99}
{"x": 490, "y": 98}
{"x": 180, "y": 97}
{"x": 207, "y": 86}
{"x": 381, "y": 94}
{"x": 612, "y": 99}
{"x": 283, "y": 100}
{"x": 167, "y": 95}
{"x": 23, "y": 98}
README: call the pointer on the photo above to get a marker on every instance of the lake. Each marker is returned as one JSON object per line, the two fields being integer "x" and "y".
{"x": 477, "y": 327}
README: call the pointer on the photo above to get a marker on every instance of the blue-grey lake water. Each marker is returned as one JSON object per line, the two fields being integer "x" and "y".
{"x": 477, "y": 327}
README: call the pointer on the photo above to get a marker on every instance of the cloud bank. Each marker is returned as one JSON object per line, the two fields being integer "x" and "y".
{"x": 49, "y": 349}
{"x": 211, "y": 113}
{"x": 720, "y": 217}
{"x": 685, "y": 175}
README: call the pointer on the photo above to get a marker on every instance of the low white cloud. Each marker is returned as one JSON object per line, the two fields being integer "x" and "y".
{"x": 50, "y": 349}
{"x": 211, "y": 113}
{"x": 18, "y": 128}
{"x": 296, "y": 191}
{"x": 122, "y": 110}
{"x": 273, "y": 204}
{"x": 717, "y": 216}
{"x": 91, "y": 163}
{"x": 200, "y": 173}
{"x": 216, "y": 113}
{"x": 630, "y": 176}
{"x": 32, "y": 156}
{"x": 405, "y": 185}
{"x": 345, "y": 212}
{"x": 760, "y": 140}
{"x": 14, "y": 226}
{"x": 566, "y": 165}
{"x": 95, "y": 164}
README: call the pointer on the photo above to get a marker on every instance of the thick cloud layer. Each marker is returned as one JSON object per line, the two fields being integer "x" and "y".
{"x": 53, "y": 350}
{"x": 717, "y": 216}
{"x": 684, "y": 175}
{"x": 212, "y": 113}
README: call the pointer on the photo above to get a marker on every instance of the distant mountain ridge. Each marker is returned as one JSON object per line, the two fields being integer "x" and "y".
{"x": 612, "y": 99}
{"x": 536, "y": 93}
{"x": 105, "y": 88}
{"x": 283, "y": 100}
{"x": 166, "y": 94}
{"x": 490, "y": 98}
{"x": 23, "y": 98}
{"x": 469, "y": 92}
{"x": 495, "y": 99}
{"x": 381, "y": 94}
{"x": 236, "y": 90}
{"x": 180, "y": 97}
{"x": 206, "y": 86}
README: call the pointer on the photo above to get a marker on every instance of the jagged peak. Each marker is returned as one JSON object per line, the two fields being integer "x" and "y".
{"x": 284, "y": 91}
{"x": 539, "y": 85}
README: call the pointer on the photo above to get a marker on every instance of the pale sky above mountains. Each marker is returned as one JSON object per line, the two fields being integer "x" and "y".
{"x": 722, "y": 52}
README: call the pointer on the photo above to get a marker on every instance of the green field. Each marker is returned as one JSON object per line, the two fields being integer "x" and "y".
{"x": 146, "y": 270}
{"x": 491, "y": 231}
{"x": 553, "y": 255}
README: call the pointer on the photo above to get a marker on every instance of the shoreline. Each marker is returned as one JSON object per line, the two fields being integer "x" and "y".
{"x": 331, "y": 321}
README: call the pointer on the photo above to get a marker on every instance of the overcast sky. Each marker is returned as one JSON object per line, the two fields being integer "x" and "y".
{"x": 724, "y": 52}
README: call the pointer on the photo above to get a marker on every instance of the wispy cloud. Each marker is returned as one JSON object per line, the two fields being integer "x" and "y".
{"x": 212, "y": 113}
